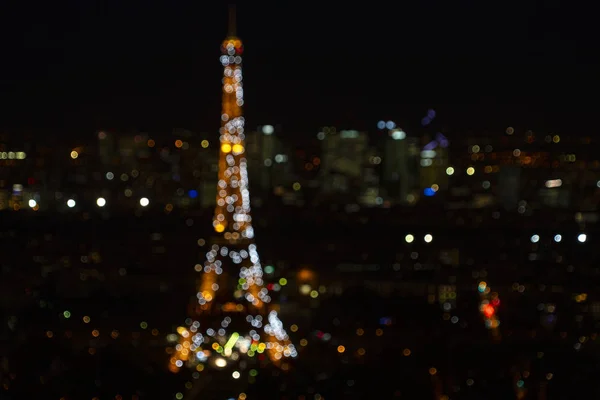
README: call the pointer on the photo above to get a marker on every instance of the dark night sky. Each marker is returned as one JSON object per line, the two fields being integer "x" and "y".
{"x": 78, "y": 66}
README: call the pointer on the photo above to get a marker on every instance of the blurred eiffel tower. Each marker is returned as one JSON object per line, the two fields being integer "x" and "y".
{"x": 234, "y": 323}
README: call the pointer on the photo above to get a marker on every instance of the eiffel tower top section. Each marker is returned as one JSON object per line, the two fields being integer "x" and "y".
{"x": 232, "y": 40}
{"x": 232, "y": 213}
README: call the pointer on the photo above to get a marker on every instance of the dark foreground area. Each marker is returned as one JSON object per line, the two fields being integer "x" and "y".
{"x": 88, "y": 303}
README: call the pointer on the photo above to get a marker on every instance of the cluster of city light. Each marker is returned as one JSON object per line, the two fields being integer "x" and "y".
{"x": 581, "y": 238}
{"x": 12, "y": 155}
{"x": 409, "y": 238}
{"x": 488, "y": 306}
{"x": 203, "y": 342}
{"x": 100, "y": 202}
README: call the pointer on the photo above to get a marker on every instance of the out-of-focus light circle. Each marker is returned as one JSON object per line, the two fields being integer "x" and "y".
{"x": 390, "y": 124}
{"x": 409, "y": 238}
{"x": 557, "y": 238}
{"x": 32, "y": 203}
{"x": 110, "y": 176}
{"x": 428, "y": 238}
{"x": 381, "y": 125}
{"x": 74, "y": 154}
{"x": 305, "y": 289}
{"x": 268, "y": 129}
{"x": 449, "y": 171}
{"x": 470, "y": 171}
{"x": 582, "y": 237}
{"x": 398, "y": 134}
{"x": 510, "y": 130}
{"x": 193, "y": 194}
{"x": 220, "y": 362}
{"x": 236, "y": 375}
{"x": 71, "y": 203}
{"x": 144, "y": 201}
{"x": 429, "y": 192}
{"x": 535, "y": 239}
{"x": 100, "y": 202}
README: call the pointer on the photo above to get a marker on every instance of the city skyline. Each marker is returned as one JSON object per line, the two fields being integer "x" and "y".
{"x": 154, "y": 74}
{"x": 402, "y": 255}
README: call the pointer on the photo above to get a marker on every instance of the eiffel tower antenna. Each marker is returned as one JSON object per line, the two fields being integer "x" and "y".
{"x": 232, "y": 22}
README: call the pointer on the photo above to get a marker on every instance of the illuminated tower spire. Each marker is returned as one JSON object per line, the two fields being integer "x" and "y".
{"x": 233, "y": 315}
{"x": 232, "y": 23}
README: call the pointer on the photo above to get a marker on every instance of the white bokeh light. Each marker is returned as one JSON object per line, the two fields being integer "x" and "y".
{"x": 71, "y": 203}
{"x": 32, "y": 203}
{"x": 535, "y": 238}
{"x": 220, "y": 362}
{"x": 582, "y": 237}
{"x": 101, "y": 202}
{"x": 144, "y": 202}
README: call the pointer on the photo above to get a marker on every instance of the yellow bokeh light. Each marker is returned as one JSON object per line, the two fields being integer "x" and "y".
{"x": 74, "y": 154}
{"x": 470, "y": 171}
{"x": 226, "y": 148}
{"x": 341, "y": 349}
{"x": 219, "y": 228}
{"x": 204, "y": 143}
{"x": 238, "y": 148}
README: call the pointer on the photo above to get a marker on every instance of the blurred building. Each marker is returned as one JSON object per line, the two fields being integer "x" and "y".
{"x": 344, "y": 162}
{"x": 269, "y": 161}
{"x": 400, "y": 165}
{"x": 434, "y": 165}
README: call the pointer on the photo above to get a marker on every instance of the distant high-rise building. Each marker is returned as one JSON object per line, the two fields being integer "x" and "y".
{"x": 106, "y": 147}
{"x": 434, "y": 162}
{"x": 271, "y": 166}
{"x": 343, "y": 160}
{"x": 400, "y": 158}
{"x": 509, "y": 184}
